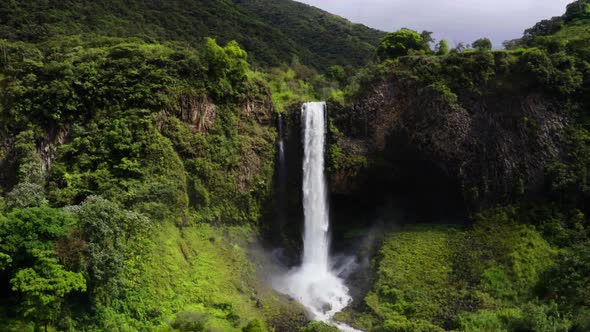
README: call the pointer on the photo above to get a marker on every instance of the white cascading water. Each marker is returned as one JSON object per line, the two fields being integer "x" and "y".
{"x": 314, "y": 284}
{"x": 315, "y": 241}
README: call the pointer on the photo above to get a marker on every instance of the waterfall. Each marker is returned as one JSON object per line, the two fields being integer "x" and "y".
{"x": 315, "y": 241}
{"x": 314, "y": 284}
{"x": 281, "y": 138}
{"x": 282, "y": 171}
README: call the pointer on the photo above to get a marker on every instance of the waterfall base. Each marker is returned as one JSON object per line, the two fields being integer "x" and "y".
{"x": 320, "y": 291}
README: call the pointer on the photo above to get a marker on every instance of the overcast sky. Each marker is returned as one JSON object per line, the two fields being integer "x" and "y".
{"x": 454, "y": 20}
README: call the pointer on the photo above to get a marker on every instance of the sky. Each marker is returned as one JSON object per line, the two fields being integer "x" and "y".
{"x": 453, "y": 20}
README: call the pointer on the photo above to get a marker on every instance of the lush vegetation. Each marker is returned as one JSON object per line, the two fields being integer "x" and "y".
{"x": 118, "y": 157}
{"x": 273, "y": 32}
{"x": 498, "y": 275}
{"x": 137, "y": 165}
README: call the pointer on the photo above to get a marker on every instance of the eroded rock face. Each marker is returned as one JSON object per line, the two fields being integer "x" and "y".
{"x": 200, "y": 113}
{"x": 492, "y": 149}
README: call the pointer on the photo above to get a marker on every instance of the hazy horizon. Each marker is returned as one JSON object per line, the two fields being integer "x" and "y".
{"x": 453, "y": 20}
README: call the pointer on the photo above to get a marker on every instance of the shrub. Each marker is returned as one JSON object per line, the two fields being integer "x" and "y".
{"x": 316, "y": 326}
{"x": 189, "y": 321}
{"x": 483, "y": 44}
{"x": 25, "y": 195}
{"x": 400, "y": 43}
{"x": 255, "y": 325}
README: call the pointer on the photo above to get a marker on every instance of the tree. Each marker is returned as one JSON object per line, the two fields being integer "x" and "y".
{"x": 482, "y": 44}
{"x": 442, "y": 48}
{"x": 512, "y": 44}
{"x": 108, "y": 229}
{"x": 227, "y": 66}
{"x": 26, "y": 194}
{"x": 568, "y": 282}
{"x": 459, "y": 48}
{"x": 399, "y": 43}
{"x": 5, "y": 261}
{"x": 27, "y": 243}
{"x": 427, "y": 38}
{"x": 577, "y": 10}
{"x": 30, "y": 165}
{"x": 190, "y": 321}
{"x": 543, "y": 28}
{"x": 336, "y": 73}
{"x": 25, "y": 230}
{"x": 44, "y": 286}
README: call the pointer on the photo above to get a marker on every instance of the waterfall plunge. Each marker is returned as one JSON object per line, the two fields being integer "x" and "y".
{"x": 314, "y": 284}
{"x": 315, "y": 241}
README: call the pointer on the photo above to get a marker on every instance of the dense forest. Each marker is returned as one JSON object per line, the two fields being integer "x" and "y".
{"x": 138, "y": 185}
{"x": 273, "y": 32}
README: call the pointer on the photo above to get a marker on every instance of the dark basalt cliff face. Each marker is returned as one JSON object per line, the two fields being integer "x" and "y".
{"x": 443, "y": 153}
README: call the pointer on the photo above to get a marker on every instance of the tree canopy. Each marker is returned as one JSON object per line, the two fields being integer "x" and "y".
{"x": 400, "y": 43}
{"x": 482, "y": 44}
{"x": 442, "y": 48}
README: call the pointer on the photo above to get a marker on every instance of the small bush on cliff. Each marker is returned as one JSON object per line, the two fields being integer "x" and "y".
{"x": 187, "y": 321}
{"x": 552, "y": 72}
{"x": 482, "y": 44}
{"x": 255, "y": 325}
{"x": 400, "y": 43}
{"x": 442, "y": 48}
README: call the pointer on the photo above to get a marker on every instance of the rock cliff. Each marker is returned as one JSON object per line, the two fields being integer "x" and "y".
{"x": 450, "y": 147}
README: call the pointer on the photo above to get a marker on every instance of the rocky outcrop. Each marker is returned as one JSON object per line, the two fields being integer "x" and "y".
{"x": 199, "y": 112}
{"x": 47, "y": 149}
{"x": 484, "y": 150}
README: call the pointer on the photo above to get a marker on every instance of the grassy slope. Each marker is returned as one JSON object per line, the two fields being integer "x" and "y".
{"x": 430, "y": 278}
{"x": 415, "y": 266}
{"x": 316, "y": 37}
{"x": 207, "y": 270}
{"x": 578, "y": 27}
{"x": 574, "y": 28}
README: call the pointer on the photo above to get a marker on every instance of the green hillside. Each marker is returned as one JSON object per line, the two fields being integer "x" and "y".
{"x": 322, "y": 37}
{"x": 273, "y": 32}
{"x": 573, "y": 27}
